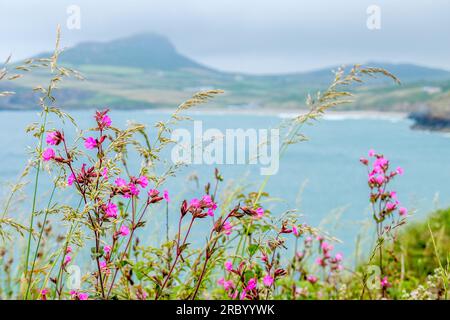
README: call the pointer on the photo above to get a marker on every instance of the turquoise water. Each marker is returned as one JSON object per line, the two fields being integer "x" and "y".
{"x": 326, "y": 167}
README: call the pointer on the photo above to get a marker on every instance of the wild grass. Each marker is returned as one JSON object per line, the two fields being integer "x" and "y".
{"x": 100, "y": 203}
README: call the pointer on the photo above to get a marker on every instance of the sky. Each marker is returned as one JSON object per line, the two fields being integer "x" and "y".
{"x": 252, "y": 36}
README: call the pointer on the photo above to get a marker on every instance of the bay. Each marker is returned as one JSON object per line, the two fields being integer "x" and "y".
{"x": 321, "y": 178}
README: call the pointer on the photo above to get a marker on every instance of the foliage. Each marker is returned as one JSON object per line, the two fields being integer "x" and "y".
{"x": 101, "y": 203}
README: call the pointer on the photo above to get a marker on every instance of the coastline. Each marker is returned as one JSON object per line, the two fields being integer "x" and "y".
{"x": 431, "y": 122}
{"x": 290, "y": 113}
{"x": 280, "y": 113}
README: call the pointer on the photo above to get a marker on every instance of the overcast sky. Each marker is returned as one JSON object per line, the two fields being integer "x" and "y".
{"x": 256, "y": 36}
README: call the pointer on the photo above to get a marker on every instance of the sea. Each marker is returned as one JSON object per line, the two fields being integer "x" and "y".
{"x": 321, "y": 178}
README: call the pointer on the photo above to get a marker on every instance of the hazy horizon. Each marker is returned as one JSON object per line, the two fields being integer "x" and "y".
{"x": 256, "y": 37}
{"x": 317, "y": 68}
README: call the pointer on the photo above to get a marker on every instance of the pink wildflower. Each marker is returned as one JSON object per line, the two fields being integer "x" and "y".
{"x": 399, "y": 170}
{"x": 103, "y": 120}
{"x": 380, "y": 162}
{"x": 67, "y": 259}
{"x": 379, "y": 179}
{"x": 320, "y": 262}
{"x": 194, "y": 203}
{"x": 133, "y": 189}
{"x": 166, "y": 196}
{"x": 153, "y": 193}
{"x": 53, "y": 138}
{"x": 385, "y": 283}
{"x": 227, "y": 285}
{"x": 111, "y": 210}
{"x": 207, "y": 199}
{"x": 120, "y": 182}
{"x": 83, "y": 296}
{"x": 106, "y": 121}
{"x": 295, "y": 231}
{"x": 124, "y": 231}
{"x": 371, "y": 153}
{"x": 391, "y": 206}
{"x": 48, "y": 154}
{"x": 268, "y": 280}
{"x": 105, "y": 173}
{"x": 143, "y": 181}
{"x": 311, "y": 279}
{"x": 229, "y": 266}
{"x": 403, "y": 211}
{"x": 326, "y": 247}
{"x": 251, "y": 284}
{"x": 260, "y": 213}
{"x": 90, "y": 143}
{"x": 107, "y": 249}
{"x": 103, "y": 265}
{"x": 44, "y": 293}
{"x": 212, "y": 208}
{"x": 227, "y": 227}
{"x": 71, "y": 179}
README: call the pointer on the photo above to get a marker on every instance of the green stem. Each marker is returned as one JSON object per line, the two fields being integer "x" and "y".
{"x": 66, "y": 244}
{"x": 39, "y": 239}
{"x": 36, "y": 181}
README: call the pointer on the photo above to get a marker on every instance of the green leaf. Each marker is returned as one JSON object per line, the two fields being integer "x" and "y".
{"x": 252, "y": 249}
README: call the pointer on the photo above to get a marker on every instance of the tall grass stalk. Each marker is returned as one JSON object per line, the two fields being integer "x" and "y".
{"x": 33, "y": 206}
{"x": 444, "y": 273}
{"x": 30, "y": 279}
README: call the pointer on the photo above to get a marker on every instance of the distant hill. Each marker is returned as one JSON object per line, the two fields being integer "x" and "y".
{"x": 145, "y": 51}
{"x": 149, "y": 51}
{"x": 146, "y": 71}
{"x": 407, "y": 73}
{"x": 412, "y": 72}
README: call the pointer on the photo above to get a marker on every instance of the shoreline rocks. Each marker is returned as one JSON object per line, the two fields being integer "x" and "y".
{"x": 428, "y": 121}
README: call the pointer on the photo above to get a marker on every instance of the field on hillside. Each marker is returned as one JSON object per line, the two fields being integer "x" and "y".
{"x": 126, "y": 87}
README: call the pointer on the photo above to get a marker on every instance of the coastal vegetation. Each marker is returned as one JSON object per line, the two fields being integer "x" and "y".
{"x": 145, "y": 71}
{"x": 98, "y": 207}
